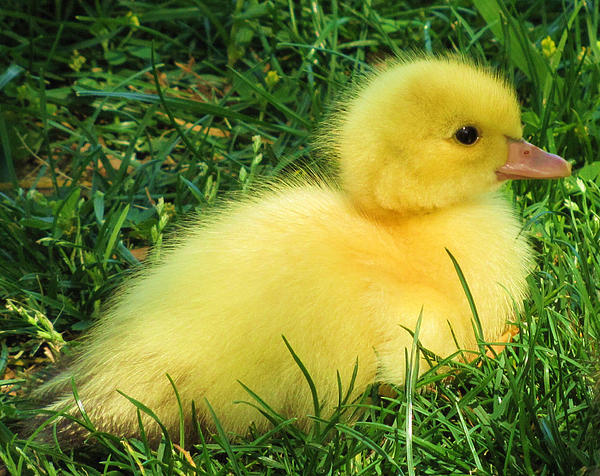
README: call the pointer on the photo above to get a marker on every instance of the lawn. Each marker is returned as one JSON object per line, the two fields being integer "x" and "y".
{"x": 120, "y": 118}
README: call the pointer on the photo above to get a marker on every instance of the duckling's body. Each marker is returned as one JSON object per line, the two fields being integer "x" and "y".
{"x": 339, "y": 273}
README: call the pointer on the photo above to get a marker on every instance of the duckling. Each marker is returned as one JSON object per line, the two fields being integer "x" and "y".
{"x": 339, "y": 270}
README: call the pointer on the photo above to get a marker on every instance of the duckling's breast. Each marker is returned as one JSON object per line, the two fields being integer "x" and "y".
{"x": 485, "y": 238}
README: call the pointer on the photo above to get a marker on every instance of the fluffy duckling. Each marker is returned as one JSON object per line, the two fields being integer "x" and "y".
{"x": 341, "y": 271}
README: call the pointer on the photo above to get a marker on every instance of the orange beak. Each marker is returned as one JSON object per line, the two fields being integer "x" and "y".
{"x": 526, "y": 161}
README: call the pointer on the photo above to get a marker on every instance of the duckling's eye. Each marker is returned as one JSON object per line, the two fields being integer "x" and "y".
{"x": 467, "y": 135}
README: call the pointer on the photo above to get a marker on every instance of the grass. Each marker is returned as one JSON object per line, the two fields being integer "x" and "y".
{"x": 117, "y": 118}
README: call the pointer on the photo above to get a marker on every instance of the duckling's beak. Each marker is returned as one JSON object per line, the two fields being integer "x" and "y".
{"x": 526, "y": 161}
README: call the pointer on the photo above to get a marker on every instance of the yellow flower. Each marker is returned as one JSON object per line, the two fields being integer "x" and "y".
{"x": 133, "y": 19}
{"x": 272, "y": 78}
{"x": 584, "y": 50}
{"x": 77, "y": 61}
{"x": 548, "y": 47}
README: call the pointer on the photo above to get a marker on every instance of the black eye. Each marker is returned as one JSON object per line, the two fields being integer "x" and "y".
{"x": 467, "y": 135}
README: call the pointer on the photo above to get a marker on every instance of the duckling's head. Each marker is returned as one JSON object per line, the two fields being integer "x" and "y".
{"x": 431, "y": 132}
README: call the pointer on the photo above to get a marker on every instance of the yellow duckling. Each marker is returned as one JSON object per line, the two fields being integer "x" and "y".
{"x": 341, "y": 271}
